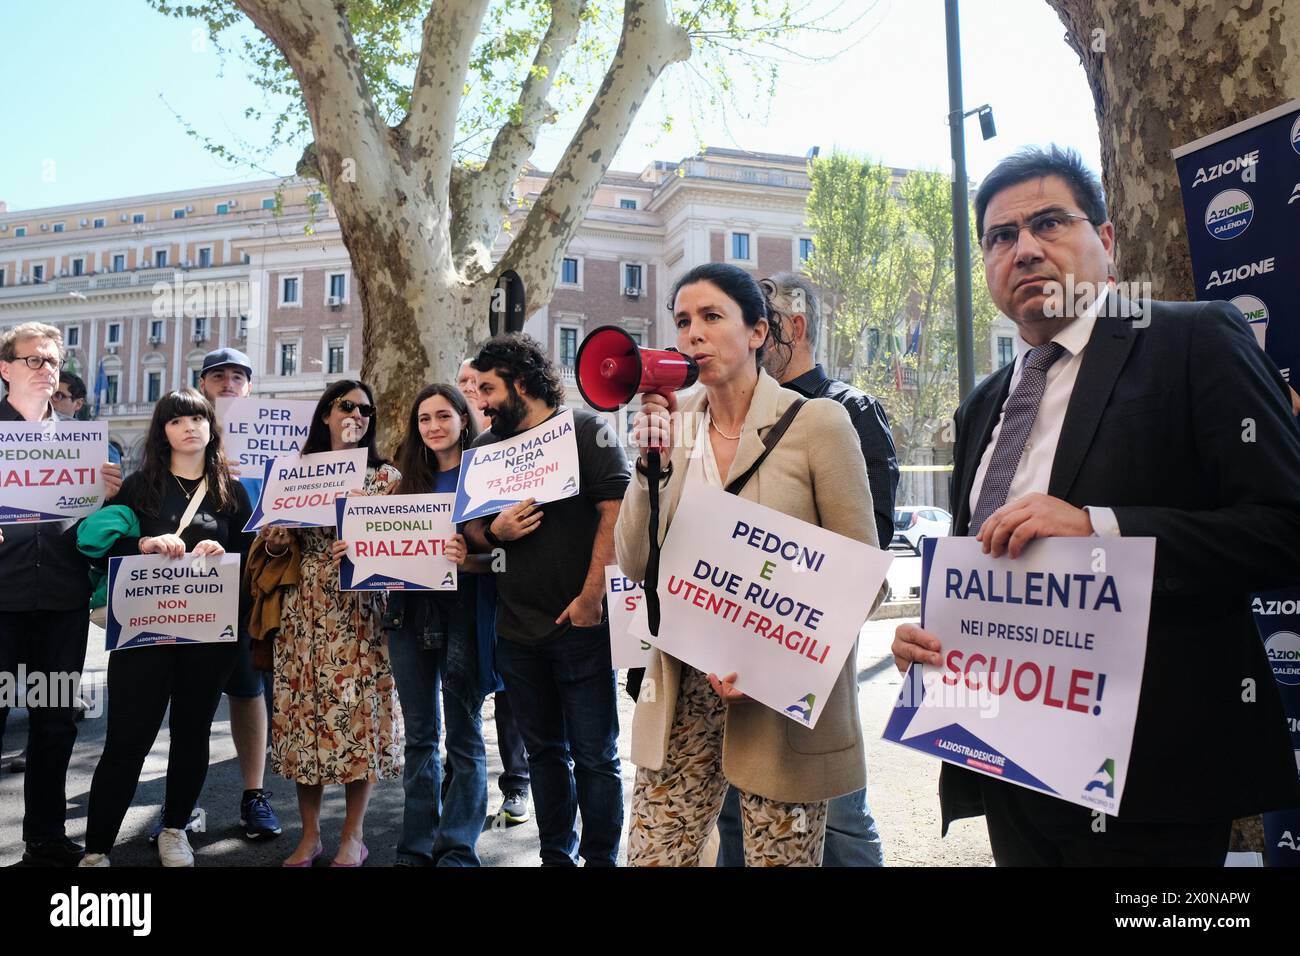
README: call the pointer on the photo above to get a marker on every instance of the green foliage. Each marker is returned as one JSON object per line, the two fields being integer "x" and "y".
{"x": 883, "y": 258}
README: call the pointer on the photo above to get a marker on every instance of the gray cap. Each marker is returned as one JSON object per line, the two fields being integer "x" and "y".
{"x": 223, "y": 357}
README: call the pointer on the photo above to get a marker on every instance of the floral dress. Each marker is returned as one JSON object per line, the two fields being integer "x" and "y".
{"x": 336, "y": 717}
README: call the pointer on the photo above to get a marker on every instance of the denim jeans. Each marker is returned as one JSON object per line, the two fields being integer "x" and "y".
{"x": 438, "y": 830}
{"x": 851, "y": 835}
{"x": 565, "y": 698}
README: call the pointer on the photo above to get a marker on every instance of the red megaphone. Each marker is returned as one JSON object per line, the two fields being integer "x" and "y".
{"x": 612, "y": 369}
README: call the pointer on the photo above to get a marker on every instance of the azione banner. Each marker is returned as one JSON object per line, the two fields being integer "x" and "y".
{"x": 541, "y": 463}
{"x": 396, "y": 542}
{"x": 624, "y": 597}
{"x": 255, "y": 430}
{"x": 158, "y": 600}
{"x": 1241, "y": 195}
{"x": 51, "y": 471}
{"x": 1042, "y": 664}
{"x": 299, "y": 491}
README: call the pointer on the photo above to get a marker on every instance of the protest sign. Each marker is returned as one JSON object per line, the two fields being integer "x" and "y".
{"x": 1042, "y": 663}
{"x": 299, "y": 491}
{"x": 255, "y": 430}
{"x": 624, "y": 597}
{"x": 779, "y": 602}
{"x": 51, "y": 471}
{"x": 153, "y": 599}
{"x": 540, "y": 463}
{"x": 396, "y": 542}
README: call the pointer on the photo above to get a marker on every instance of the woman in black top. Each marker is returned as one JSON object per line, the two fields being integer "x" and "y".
{"x": 182, "y": 450}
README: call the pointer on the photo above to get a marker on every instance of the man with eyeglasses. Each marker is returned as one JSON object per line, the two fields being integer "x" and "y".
{"x": 44, "y": 604}
{"x": 1107, "y": 424}
{"x": 70, "y": 397}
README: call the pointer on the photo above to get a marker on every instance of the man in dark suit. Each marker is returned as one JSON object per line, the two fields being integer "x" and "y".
{"x": 1170, "y": 423}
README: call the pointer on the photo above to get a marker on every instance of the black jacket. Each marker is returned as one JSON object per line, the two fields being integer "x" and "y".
{"x": 40, "y": 566}
{"x": 1156, "y": 429}
{"x": 872, "y": 425}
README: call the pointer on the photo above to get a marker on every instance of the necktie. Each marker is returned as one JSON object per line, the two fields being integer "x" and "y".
{"x": 1017, "y": 420}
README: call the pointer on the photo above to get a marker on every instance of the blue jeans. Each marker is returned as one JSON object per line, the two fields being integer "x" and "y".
{"x": 851, "y": 836}
{"x": 565, "y": 698}
{"x": 438, "y": 831}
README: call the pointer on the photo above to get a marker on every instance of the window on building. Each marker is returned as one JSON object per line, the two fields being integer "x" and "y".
{"x": 289, "y": 290}
{"x": 119, "y": 262}
{"x": 110, "y": 388}
{"x": 200, "y": 329}
{"x": 805, "y": 249}
{"x": 247, "y": 259}
{"x": 137, "y": 218}
{"x": 1006, "y": 350}
{"x": 205, "y": 257}
{"x": 196, "y": 377}
{"x": 160, "y": 258}
{"x": 268, "y": 202}
{"x": 114, "y": 333}
{"x": 242, "y": 327}
{"x": 2, "y": 278}
{"x": 38, "y": 273}
{"x": 73, "y": 336}
{"x": 569, "y": 272}
{"x": 632, "y": 277}
{"x": 78, "y": 267}
{"x": 315, "y": 199}
{"x": 58, "y": 227}
{"x": 740, "y": 245}
{"x": 288, "y": 358}
{"x": 873, "y": 345}
{"x": 627, "y": 204}
{"x": 334, "y": 363}
{"x": 568, "y": 347}
{"x": 152, "y": 386}
{"x": 98, "y": 223}
{"x": 223, "y": 208}
{"x": 178, "y": 213}
{"x": 20, "y": 231}
{"x": 156, "y": 330}
{"x": 339, "y": 286}
{"x": 638, "y": 337}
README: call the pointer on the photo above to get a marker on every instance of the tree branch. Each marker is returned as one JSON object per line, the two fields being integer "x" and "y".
{"x": 450, "y": 30}
{"x": 649, "y": 43}
{"x": 484, "y": 201}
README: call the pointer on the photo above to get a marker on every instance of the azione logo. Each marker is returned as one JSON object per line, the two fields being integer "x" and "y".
{"x": 1256, "y": 313}
{"x": 1229, "y": 214}
{"x": 1283, "y": 649}
{"x": 1295, "y": 135}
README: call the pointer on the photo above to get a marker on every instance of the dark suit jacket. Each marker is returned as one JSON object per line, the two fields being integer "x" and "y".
{"x": 1183, "y": 427}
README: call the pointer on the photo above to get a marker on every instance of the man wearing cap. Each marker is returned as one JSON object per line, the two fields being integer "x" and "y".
{"x": 227, "y": 373}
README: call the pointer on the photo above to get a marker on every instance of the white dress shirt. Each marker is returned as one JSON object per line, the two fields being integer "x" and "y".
{"x": 1034, "y": 471}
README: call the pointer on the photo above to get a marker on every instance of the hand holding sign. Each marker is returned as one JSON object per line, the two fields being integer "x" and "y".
{"x": 914, "y": 645}
{"x": 1015, "y": 524}
{"x": 517, "y": 521}
{"x": 541, "y": 463}
{"x": 168, "y": 545}
{"x": 725, "y": 688}
{"x": 112, "y": 479}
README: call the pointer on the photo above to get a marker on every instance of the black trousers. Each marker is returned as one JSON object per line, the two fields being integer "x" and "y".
{"x": 141, "y": 683}
{"x": 51, "y": 643}
{"x": 1027, "y": 828}
{"x": 514, "y": 756}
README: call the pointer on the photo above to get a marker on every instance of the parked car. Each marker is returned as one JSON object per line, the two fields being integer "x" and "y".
{"x": 912, "y": 525}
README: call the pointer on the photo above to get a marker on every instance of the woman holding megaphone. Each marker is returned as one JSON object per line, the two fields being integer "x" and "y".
{"x": 744, "y": 433}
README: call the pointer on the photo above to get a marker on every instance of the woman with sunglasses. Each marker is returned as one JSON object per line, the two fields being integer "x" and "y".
{"x": 336, "y": 718}
{"x": 438, "y": 657}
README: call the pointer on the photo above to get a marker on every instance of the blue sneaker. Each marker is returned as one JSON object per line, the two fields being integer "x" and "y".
{"x": 256, "y": 816}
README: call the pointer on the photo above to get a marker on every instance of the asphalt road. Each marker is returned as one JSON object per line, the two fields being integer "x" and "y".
{"x": 901, "y": 787}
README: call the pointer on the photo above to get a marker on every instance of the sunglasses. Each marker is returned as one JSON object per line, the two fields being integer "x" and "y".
{"x": 347, "y": 407}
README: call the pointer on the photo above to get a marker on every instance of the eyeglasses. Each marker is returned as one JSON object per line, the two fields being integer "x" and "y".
{"x": 347, "y": 407}
{"x": 35, "y": 362}
{"x": 1046, "y": 226}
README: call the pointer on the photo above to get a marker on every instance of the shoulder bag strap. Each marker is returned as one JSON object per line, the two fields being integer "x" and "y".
{"x": 769, "y": 442}
{"x": 196, "y": 499}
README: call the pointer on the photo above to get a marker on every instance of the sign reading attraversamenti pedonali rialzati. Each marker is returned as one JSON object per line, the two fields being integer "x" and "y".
{"x": 51, "y": 471}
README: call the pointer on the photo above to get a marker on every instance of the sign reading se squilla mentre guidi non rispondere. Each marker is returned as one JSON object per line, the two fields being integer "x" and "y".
{"x": 51, "y": 471}
{"x": 153, "y": 599}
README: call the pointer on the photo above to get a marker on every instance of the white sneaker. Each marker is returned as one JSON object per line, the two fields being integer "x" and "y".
{"x": 94, "y": 859}
{"x": 174, "y": 848}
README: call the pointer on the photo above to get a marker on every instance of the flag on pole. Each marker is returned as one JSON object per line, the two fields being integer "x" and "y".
{"x": 101, "y": 385}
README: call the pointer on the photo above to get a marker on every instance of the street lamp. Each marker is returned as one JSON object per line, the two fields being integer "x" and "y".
{"x": 961, "y": 200}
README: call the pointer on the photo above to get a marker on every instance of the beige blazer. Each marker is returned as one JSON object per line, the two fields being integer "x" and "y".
{"x": 815, "y": 473}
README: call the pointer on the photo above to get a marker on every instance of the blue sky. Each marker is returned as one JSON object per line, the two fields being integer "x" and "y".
{"x": 91, "y": 86}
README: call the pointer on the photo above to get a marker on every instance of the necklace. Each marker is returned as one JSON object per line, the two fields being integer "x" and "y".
{"x": 188, "y": 493}
{"x": 715, "y": 427}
